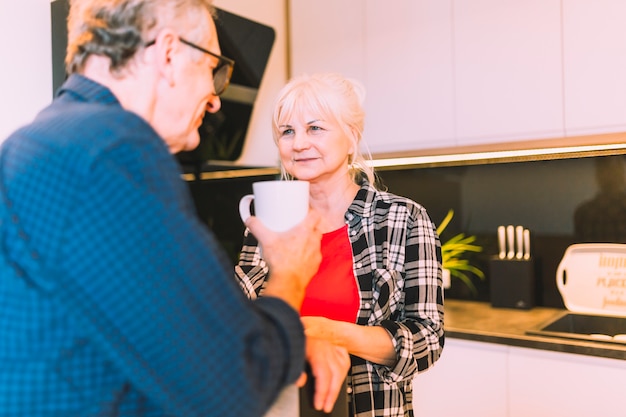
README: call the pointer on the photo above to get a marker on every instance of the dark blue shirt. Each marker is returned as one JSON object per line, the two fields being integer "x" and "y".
{"x": 114, "y": 299}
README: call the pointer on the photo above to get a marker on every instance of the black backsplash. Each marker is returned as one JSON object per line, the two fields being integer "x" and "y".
{"x": 543, "y": 196}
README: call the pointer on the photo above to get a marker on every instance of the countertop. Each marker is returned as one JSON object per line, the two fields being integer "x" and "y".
{"x": 479, "y": 321}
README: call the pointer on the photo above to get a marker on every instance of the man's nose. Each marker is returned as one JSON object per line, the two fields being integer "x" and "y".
{"x": 214, "y": 104}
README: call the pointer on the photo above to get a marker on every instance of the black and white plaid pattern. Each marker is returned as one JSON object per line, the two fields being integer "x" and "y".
{"x": 397, "y": 262}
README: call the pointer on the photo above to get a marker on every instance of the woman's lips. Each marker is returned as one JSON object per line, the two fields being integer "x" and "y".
{"x": 304, "y": 159}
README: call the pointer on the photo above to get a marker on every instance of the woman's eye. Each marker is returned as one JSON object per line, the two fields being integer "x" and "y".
{"x": 315, "y": 128}
{"x": 287, "y": 132}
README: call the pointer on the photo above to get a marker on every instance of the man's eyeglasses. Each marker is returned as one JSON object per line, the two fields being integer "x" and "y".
{"x": 221, "y": 73}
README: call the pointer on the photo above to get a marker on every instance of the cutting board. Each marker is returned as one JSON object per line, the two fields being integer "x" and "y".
{"x": 591, "y": 278}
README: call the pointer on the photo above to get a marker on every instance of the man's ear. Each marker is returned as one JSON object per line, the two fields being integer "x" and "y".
{"x": 165, "y": 46}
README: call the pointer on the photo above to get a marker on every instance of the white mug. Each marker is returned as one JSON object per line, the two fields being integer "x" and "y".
{"x": 280, "y": 205}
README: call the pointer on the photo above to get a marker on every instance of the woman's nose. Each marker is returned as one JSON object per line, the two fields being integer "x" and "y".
{"x": 301, "y": 141}
{"x": 214, "y": 104}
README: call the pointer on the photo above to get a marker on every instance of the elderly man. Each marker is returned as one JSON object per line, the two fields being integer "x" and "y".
{"x": 115, "y": 300}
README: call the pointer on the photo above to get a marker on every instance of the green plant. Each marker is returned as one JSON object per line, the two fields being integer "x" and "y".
{"x": 452, "y": 254}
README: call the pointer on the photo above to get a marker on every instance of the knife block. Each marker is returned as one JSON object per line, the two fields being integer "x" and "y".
{"x": 512, "y": 283}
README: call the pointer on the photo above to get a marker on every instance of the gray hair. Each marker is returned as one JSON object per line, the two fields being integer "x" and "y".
{"x": 118, "y": 29}
{"x": 336, "y": 98}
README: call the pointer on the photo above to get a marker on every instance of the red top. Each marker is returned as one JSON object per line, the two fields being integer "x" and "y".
{"x": 333, "y": 292}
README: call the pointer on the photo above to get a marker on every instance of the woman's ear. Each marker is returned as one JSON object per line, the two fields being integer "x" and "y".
{"x": 354, "y": 144}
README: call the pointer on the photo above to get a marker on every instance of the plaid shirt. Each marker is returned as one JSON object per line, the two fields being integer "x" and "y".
{"x": 397, "y": 264}
{"x": 114, "y": 299}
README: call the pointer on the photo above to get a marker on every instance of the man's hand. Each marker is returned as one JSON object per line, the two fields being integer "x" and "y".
{"x": 293, "y": 257}
{"x": 329, "y": 365}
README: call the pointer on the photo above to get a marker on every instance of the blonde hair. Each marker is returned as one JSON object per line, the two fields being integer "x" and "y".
{"x": 335, "y": 98}
{"x": 118, "y": 29}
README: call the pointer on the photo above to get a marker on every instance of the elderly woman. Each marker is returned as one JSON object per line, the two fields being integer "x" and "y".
{"x": 378, "y": 291}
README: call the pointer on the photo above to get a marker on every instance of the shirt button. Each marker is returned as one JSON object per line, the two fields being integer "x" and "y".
{"x": 367, "y": 305}
{"x": 350, "y": 216}
{"x": 359, "y": 265}
{"x": 353, "y": 233}
{"x": 349, "y": 390}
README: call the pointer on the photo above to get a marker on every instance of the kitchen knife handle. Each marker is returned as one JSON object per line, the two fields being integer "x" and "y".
{"x": 526, "y": 244}
{"x": 510, "y": 241}
{"x": 501, "y": 242}
{"x": 519, "y": 239}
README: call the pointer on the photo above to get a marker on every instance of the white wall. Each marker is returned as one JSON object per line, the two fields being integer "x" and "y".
{"x": 26, "y": 68}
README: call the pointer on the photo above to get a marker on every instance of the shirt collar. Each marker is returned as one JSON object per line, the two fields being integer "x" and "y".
{"x": 365, "y": 198}
{"x": 85, "y": 89}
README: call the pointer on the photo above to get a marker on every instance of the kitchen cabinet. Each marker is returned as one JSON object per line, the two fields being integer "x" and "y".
{"x": 508, "y": 72}
{"x": 594, "y": 66}
{"x": 486, "y": 379}
{"x": 410, "y": 86}
{"x": 401, "y": 51}
{"x": 468, "y": 380}
{"x": 442, "y": 73}
{"x": 542, "y": 383}
{"x": 327, "y": 35}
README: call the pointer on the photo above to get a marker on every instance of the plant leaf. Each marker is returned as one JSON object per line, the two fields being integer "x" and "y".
{"x": 445, "y": 221}
{"x": 453, "y": 250}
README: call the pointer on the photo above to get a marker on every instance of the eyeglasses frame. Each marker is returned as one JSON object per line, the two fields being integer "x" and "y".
{"x": 222, "y": 61}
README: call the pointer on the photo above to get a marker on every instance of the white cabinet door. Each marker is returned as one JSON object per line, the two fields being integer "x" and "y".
{"x": 401, "y": 51}
{"x": 469, "y": 380}
{"x": 327, "y": 35}
{"x": 543, "y": 383}
{"x": 594, "y": 55}
{"x": 442, "y": 73}
{"x": 508, "y": 70}
{"x": 490, "y": 380}
{"x": 410, "y": 90}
